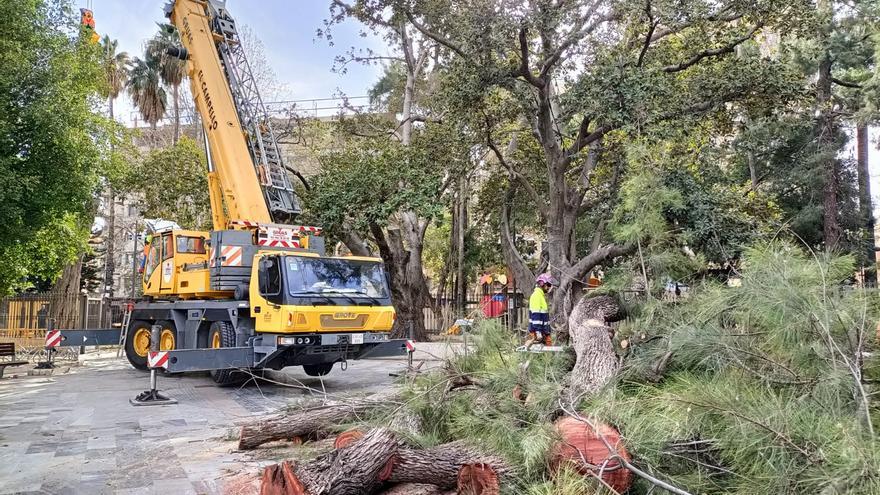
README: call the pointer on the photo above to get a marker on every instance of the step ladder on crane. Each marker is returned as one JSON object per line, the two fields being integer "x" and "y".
{"x": 123, "y": 334}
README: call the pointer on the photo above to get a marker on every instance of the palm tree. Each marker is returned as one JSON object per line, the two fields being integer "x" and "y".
{"x": 115, "y": 67}
{"x": 115, "y": 70}
{"x": 145, "y": 89}
{"x": 172, "y": 70}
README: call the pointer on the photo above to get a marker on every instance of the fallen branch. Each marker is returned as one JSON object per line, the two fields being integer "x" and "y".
{"x": 309, "y": 422}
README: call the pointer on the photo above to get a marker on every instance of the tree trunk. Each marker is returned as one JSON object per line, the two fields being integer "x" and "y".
{"x": 65, "y": 302}
{"x": 110, "y": 239}
{"x": 414, "y": 489}
{"x": 304, "y": 423}
{"x": 110, "y": 253}
{"x": 440, "y": 465}
{"x": 176, "y": 137}
{"x": 354, "y": 470}
{"x": 409, "y": 288}
{"x": 460, "y": 277}
{"x": 522, "y": 275}
{"x": 866, "y": 206}
{"x": 597, "y": 362}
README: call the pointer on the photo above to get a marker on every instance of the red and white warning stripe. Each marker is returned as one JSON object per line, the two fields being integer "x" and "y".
{"x": 410, "y": 346}
{"x": 231, "y": 255}
{"x": 157, "y": 359}
{"x": 276, "y": 243}
{"x": 212, "y": 255}
{"x": 53, "y": 338}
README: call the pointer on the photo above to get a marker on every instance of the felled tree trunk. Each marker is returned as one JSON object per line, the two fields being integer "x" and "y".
{"x": 596, "y": 360}
{"x": 353, "y": 470}
{"x": 306, "y": 423}
{"x": 440, "y": 465}
{"x": 414, "y": 489}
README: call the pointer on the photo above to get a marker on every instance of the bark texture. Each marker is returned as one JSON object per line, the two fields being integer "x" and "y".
{"x": 440, "y": 465}
{"x": 350, "y": 471}
{"x": 305, "y": 423}
{"x": 414, "y": 489}
{"x": 597, "y": 361}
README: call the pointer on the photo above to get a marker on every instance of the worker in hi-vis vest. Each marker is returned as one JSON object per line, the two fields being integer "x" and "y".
{"x": 539, "y": 315}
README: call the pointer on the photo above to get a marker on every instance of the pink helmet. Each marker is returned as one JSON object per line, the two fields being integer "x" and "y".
{"x": 545, "y": 278}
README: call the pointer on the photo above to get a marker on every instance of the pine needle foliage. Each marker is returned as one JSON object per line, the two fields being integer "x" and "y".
{"x": 759, "y": 388}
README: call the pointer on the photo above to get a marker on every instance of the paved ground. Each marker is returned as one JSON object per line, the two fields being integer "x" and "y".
{"x": 75, "y": 432}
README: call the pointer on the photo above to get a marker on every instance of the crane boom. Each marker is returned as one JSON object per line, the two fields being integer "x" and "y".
{"x": 246, "y": 158}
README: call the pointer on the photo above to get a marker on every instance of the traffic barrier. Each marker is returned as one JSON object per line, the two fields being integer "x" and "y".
{"x": 155, "y": 359}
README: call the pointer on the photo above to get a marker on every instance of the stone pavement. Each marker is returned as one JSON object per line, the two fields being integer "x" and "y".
{"x": 76, "y": 432}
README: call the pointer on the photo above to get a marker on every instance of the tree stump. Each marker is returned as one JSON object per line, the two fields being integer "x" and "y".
{"x": 353, "y": 470}
{"x": 307, "y": 423}
{"x": 597, "y": 362}
{"x": 582, "y": 448}
{"x": 440, "y": 465}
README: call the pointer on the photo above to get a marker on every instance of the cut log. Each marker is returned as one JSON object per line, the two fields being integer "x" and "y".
{"x": 413, "y": 489}
{"x": 478, "y": 479}
{"x": 581, "y": 447}
{"x": 353, "y": 470}
{"x": 279, "y": 479}
{"x": 597, "y": 362}
{"x": 312, "y": 422}
{"x": 347, "y": 438}
{"x": 440, "y": 465}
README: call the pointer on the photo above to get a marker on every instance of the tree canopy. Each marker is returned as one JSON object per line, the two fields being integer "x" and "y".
{"x": 52, "y": 143}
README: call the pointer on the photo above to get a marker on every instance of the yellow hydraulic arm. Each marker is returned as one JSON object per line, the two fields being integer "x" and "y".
{"x": 247, "y": 169}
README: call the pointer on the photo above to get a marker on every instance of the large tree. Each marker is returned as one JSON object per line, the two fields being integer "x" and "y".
{"x": 145, "y": 89}
{"x": 580, "y": 79}
{"x": 412, "y": 153}
{"x": 172, "y": 70}
{"x": 115, "y": 66}
{"x": 173, "y": 184}
{"x": 50, "y": 142}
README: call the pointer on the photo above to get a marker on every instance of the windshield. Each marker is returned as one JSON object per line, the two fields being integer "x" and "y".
{"x": 354, "y": 278}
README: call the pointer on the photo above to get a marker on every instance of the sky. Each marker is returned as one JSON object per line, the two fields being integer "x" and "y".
{"x": 301, "y": 60}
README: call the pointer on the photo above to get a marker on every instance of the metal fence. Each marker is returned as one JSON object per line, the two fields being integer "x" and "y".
{"x": 25, "y": 318}
{"x": 482, "y": 302}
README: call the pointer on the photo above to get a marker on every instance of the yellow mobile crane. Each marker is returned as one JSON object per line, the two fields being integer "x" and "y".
{"x": 256, "y": 292}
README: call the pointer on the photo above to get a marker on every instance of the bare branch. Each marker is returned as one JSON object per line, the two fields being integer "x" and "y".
{"x": 846, "y": 84}
{"x": 729, "y": 48}
{"x": 653, "y": 26}
{"x": 524, "y": 70}
{"x": 542, "y": 206}
{"x": 582, "y": 267}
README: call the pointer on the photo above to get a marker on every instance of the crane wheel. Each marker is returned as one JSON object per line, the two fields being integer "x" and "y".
{"x": 137, "y": 344}
{"x": 221, "y": 334}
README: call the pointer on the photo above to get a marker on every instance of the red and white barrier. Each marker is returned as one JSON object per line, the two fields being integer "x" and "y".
{"x": 53, "y": 338}
{"x": 157, "y": 359}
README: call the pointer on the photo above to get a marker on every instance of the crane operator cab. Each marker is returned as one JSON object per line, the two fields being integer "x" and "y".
{"x": 304, "y": 292}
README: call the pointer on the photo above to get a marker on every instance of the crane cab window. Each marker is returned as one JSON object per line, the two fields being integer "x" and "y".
{"x": 190, "y": 245}
{"x": 152, "y": 257}
{"x": 270, "y": 276}
{"x": 167, "y": 247}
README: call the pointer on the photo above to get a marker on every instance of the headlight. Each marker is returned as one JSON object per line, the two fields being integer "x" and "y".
{"x": 286, "y": 340}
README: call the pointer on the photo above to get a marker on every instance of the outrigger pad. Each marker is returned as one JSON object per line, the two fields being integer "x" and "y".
{"x": 151, "y": 398}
